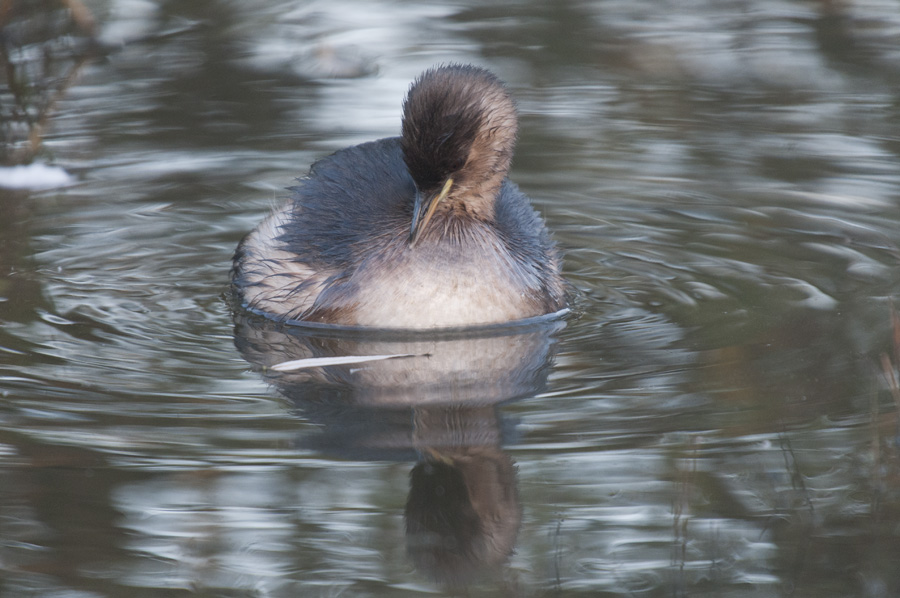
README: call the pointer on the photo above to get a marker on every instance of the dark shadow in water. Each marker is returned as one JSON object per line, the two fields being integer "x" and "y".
{"x": 61, "y": 499}
{"x": 437, "y": 407}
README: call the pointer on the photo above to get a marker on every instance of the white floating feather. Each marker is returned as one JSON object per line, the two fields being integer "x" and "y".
{"x": 315, "y": 362}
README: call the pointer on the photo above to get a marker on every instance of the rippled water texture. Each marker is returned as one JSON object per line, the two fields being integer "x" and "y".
{"x": 718, "y": 416}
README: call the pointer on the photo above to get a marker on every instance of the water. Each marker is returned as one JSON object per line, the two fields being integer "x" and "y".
{"x": 716, "y": 417}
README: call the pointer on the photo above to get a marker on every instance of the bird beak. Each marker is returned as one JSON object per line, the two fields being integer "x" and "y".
{"x": 427, "y": 205}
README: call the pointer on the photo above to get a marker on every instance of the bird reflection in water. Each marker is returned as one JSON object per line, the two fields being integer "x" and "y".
{"x": 463, "y": 512}
{"x": 438, "y": 409}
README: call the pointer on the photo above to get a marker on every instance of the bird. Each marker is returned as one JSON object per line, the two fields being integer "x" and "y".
{"x": 420, "y": 231}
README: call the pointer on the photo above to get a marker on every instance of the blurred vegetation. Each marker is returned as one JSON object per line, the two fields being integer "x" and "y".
{"x": 43, "y": 45}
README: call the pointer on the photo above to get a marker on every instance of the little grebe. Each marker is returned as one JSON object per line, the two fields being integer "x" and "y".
{"x": 424, "y": 230}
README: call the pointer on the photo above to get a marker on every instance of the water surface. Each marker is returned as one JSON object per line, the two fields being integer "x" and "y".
{"x": 716, "y": 417}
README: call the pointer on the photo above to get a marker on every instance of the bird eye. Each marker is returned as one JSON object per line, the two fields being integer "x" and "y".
{"x": 457, "y": 165}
